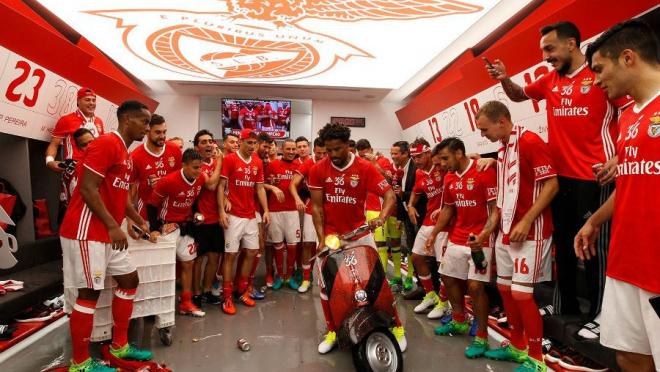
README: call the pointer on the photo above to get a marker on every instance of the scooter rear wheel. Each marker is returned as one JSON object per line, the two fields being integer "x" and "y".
{"x": 378, "y": 352}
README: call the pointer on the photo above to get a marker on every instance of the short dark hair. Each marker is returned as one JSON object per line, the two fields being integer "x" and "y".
{"x": 130, "y": 106}
{"x": 288, "y": 140}
{"x": 301, "y": 139}
{"x": 264, "y": 137}
{"x": 201, "y": 132}
{"x": 454, "y": 144}
{"x": 493, "y": 110}
{"x": 565, "y": 30}
{"x": 363, "y": 144}
{"x": 190, "y": 155}
{"x": 334, "y": 132}
{"x": 318, "y": 142}
{"x": 156, "y": 120}
{"x": 230, "y": 134}
{"x": 80, "y": 132}
{"x": 351, "y": 143}
{"x": 420, "y": 141}
{"x": 633, "y": 34}
{"x": 402, "y": 145}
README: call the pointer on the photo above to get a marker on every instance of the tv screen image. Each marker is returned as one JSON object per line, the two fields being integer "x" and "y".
{"x": 269, "y": 116}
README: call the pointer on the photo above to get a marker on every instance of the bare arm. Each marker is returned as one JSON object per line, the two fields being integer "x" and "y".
{"x": 445, "y": 215}
{"x": 51, "y": 150}
{"x": 491, "y": 225}
{"x": 223, "y": 220}
{"x": 585, "y": 239}
{"x": 389, "y": 200}
{"x": 89, "y": 190}
{"x": 514, "y": 91}
{"x": 412, "y": 211}
{"x": 549, "y": 189}
{"x": 261, "y": 195}
{"x": 211, "y": 182}
{"x": 317, "y": 213}
{"x": 293, "y": 188}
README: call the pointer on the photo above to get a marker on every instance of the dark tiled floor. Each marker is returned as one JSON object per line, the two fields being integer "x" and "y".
{"x": 283, "y": 330}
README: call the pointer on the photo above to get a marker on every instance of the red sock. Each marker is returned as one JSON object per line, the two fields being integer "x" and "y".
{"x": 122, "y": 308}
{"x": 307, "y": 270}
{"x": 80, "y": 326}
{"x": 329, "y": 323}
{"x": 186, "y": 297}
{"x": 513, "y": 317}
{"x": 482, "y": 334}
{"x": 427, "y": 283}
{"x": 279, "y": 259}
{"x": 458, "y": 317}
{"x": 253, "y": 269}
{"x": 242, "y": 284}
{"x": 532, "y": 322}
{"x": 443, "y": 292}
{"x": 227, "y": 289}
{"x": 291, "y": 250}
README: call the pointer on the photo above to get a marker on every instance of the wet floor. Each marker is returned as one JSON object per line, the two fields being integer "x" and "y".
{"x": 283, "y": 330}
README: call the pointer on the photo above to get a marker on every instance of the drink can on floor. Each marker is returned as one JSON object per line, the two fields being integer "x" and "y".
{"x": 243, "y": 344}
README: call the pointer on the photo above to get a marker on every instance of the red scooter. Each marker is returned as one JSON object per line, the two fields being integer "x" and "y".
{"x": 361, "y": 302}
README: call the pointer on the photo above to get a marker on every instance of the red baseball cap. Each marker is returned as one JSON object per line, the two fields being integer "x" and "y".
{"x": 84, "y": 92}
{"x": 419, "y": 149}
{"x": 247, "y": 133}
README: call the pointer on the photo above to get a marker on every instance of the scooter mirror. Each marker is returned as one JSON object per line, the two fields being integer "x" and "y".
{"x": 332, "y": 242}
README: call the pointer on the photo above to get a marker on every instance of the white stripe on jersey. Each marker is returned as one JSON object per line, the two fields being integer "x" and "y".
{"x": 163, "y": 210}
{"x": 608, "y": 143}
{"x": 83, "y": 227}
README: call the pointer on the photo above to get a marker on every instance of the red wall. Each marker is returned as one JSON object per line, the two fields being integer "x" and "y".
{"x": 519, "y": 50}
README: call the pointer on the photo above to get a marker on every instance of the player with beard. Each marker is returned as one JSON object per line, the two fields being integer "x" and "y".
{"x": 581, "y": 132}
{"x": 170, "y": 211}
{"x": 153, "y": 160}
{"x": 334, "y": 206}
{"x": 93, "y": 243}
{"x": 299, "y": 182}
{"x": 625, "y": 61}
{"x": 208, "y": 234}
{"x": 470, "y": 198}
{"x": 428, "y": 181}
{"x": 527, "y": 182}
{"x": 285, "y": 222}
{"x": 242, "y": 176}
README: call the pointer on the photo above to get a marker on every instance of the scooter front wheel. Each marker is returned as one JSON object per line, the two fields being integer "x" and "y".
{"x": 378, "y": 352}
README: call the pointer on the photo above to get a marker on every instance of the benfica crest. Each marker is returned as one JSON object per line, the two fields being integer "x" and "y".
{"x": 171, "y": 161}
{"x": 586, "y": 85}
{"x": 355, "y": 179}
{"x": 654, "y": 127}
{"x": 259, "y": 40}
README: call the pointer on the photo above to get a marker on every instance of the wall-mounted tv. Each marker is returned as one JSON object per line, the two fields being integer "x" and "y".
{"x": 270, "y": 116}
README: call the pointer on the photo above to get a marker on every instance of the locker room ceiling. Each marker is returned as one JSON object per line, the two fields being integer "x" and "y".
{"x": 320, "y": 49}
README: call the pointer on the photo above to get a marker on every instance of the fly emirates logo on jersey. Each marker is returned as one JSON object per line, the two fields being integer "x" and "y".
{"x": 124, "y": 183}
{"x": 461, "y": 201}
{"x": 339, "y": 189}
{"x": 190, "y": 198}
{"x": 634, "y": 162}
{"x": 246, "y": 181}
{"x": 566, "y": 93}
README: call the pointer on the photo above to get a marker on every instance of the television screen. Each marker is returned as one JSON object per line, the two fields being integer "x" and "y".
{"x": 270, "y": 116}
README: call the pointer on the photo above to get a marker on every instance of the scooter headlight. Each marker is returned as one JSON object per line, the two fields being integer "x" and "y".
{"x": 332, "y": 242}
{"x": 360, "y": 295}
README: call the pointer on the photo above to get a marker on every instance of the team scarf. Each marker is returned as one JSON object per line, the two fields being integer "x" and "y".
{"x": 508, "y": 180}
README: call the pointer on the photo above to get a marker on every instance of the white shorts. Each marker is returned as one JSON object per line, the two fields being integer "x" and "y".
{"x": 257, "y": 215}
{"x": 457, "y": 263}
{"x": 309, "y": 232}
{"x": 628, "y": 321}
{"x": 526, "y": 262}
{"x": 186, "y": 248}
{"x": 86, "y": 263}
{"x": 242, "y": 233}
{"x": 284, "y": 226}
{"x": 421, "y": 238}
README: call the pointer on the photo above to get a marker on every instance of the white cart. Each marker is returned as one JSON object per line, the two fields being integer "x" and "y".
{"x": 156, "y": 266}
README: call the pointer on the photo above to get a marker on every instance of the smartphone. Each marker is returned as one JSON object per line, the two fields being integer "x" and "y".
{"x": 140, "y": 233}
{"x": 655, "y": 304}
{"x": 490, "y": 65}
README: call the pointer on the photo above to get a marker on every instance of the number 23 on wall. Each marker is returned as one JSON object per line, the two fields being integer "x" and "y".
{"x": 14, "y": 94}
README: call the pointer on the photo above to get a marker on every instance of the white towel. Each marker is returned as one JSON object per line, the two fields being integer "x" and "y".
{"x": 508, "y": 180}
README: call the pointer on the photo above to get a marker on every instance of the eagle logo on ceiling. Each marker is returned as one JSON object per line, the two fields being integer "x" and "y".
{"x": 254, "y": 40}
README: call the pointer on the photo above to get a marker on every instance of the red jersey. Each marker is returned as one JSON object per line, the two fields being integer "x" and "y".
{"x": 207, "y": 202}
{"x": 633, "y": 254}
{"x": 148, "y": 168}
{"x": 304, "y": 169}
{"x": 373, "y": 201}
{"x": 233, "y": 111}
{"x": 536, "y": 165}
{"x": 431, "y": 184}
{"x": 281, "y": 172}
{"x": 175, "y": 196}
{"x": 242, "y": 176}
{"x": 68, "y": 124}
{"x": 268, "y": 112}
{"x": 345, "y": 192}
{"x": 470, "y": 193}
{"x": 581, "y": 121}
{"x": 108, "y": 157}
{"x": 282, "y": 115}
{"x": 249, "y": 118}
